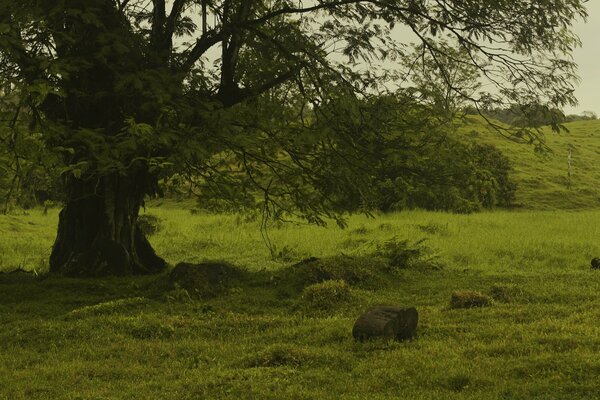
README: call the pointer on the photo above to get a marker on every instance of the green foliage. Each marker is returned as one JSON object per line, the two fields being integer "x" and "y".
{"x": 29, "y": 174}
{"x": 527, "y": 115}
{"x": 442, "y": 76}
{"x": 446, "y": 174}
{"x": 541, "y": 177}
{"x": 275, "y": 122}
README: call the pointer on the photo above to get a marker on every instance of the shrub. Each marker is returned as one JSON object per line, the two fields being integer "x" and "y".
{"x": 447, "y": 175}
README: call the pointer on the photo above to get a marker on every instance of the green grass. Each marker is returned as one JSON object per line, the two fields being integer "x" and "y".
{"x": 542, "y": 179}
{"x": 135, "y": 338}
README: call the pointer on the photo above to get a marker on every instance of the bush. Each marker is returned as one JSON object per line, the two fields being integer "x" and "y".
{"x": 325, "y": 296}
{"x": 446, "y": 175}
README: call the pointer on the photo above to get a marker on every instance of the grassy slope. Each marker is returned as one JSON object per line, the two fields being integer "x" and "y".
{"x": 542, "y": 180}
{"x": 254, "y": 343}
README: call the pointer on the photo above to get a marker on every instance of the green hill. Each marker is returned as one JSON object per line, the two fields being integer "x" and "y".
{"x": 542, "y": 178}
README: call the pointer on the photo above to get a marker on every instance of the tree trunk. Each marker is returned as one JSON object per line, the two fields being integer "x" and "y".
{"x": 98, "y": 232}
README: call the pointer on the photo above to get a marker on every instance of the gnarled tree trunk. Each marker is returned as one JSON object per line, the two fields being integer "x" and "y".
{"x": 98, "y": 232}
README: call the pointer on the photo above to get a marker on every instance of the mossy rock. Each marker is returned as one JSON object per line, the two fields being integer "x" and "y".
{"x": 469, "y": 299}
{"x": 386, "y": 322}
{"x": 205, "y": 279}
{"x": 325, "y": 296}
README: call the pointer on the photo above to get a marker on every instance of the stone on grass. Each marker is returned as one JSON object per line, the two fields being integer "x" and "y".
{"x": 386, "y": 322}
{"x": 595, "y": 263}
{"x": 469, "y": 299}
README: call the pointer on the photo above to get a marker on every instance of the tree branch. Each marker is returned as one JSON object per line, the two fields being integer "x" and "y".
{"x": 176, "y": 11}
{"x": 232, "y": 48}
{"x": 122, "y": 4}
{"x": 235, "y": 95}
{"x": 205, "y": 42}
{"x": 158, "y": 21}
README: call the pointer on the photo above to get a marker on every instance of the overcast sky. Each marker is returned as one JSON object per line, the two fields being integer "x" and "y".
{"x": 588, "y": 91}
{"x": 587, "y": 57}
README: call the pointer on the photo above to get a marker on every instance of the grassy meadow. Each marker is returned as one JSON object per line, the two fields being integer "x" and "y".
{"x": 542, "y": 179}
{"x": 273, "y": 335}
{"x": 135, "y": 338}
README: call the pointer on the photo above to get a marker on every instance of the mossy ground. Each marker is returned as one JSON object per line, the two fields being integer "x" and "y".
{"x": 138, "y": 338}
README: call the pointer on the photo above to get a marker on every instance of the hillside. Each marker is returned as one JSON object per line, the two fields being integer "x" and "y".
{"x": 542, "y": 179}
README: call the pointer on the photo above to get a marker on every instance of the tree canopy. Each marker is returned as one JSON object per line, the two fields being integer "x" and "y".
{"x": 275, "y": 102}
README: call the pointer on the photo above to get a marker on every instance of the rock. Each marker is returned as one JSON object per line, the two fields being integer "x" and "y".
{"x": 595, "y": 263}
{"x": 468, "y": 299}
{"x": 386, "y": 322}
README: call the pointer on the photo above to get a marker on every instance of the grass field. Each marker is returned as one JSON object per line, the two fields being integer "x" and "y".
{"x": 137, "y": 338}
{"x": 542, "y": 179}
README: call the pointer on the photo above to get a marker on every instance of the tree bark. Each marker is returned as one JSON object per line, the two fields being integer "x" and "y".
{"x": 98, "y": 232}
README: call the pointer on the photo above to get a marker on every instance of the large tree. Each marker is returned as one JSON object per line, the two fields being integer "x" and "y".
{"x": 243, "y": 96}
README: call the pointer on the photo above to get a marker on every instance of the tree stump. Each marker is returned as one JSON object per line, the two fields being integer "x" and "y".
{"x": 386, "y": 322}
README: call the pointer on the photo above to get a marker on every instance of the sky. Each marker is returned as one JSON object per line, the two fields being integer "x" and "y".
{"x": 588, "y": 59}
